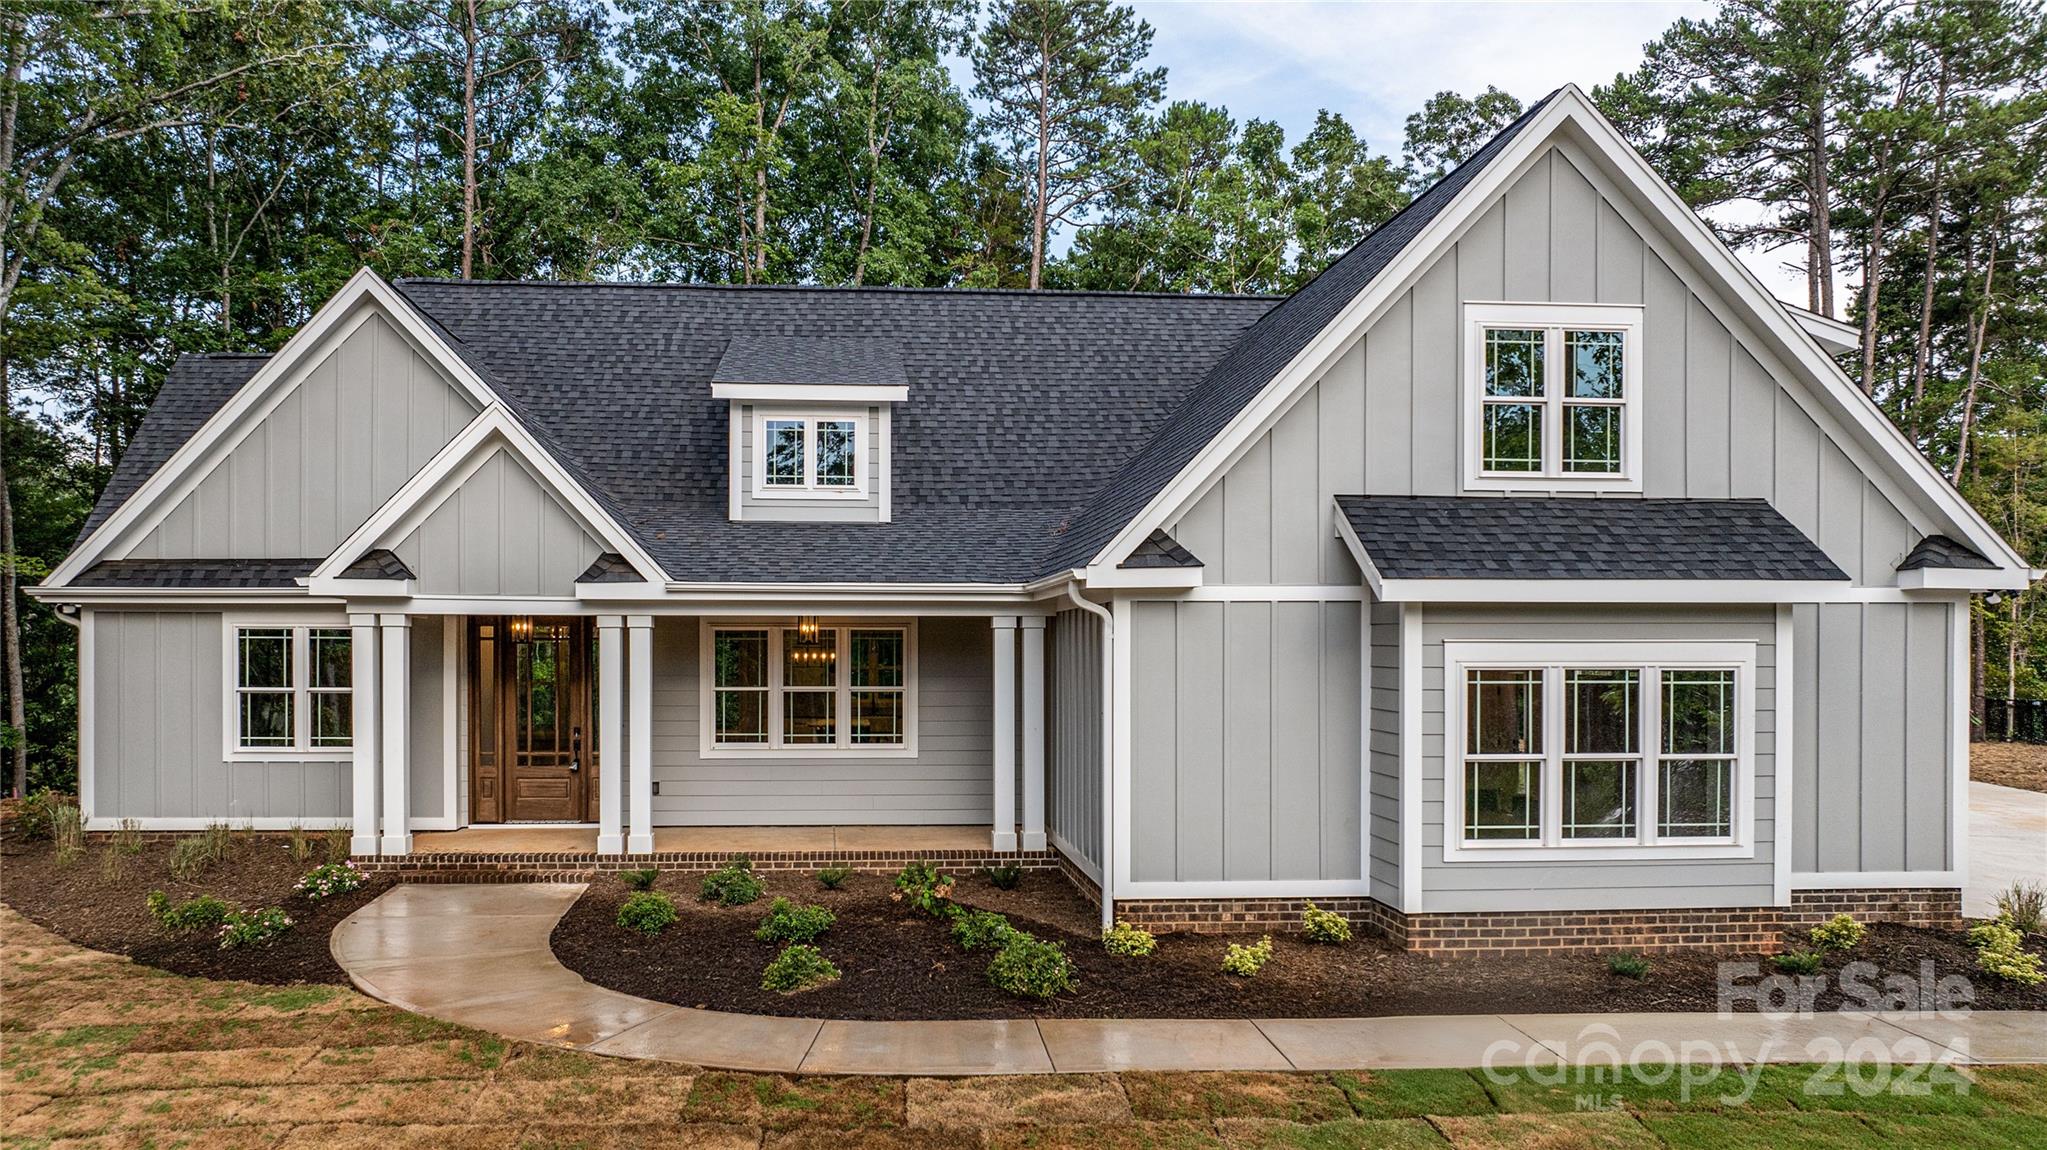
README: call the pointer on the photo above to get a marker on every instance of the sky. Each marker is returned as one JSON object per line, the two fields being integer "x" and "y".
{"x": 1375, "y": 63}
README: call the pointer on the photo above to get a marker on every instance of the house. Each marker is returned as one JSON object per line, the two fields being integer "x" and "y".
{"x": 1529, "y": 578}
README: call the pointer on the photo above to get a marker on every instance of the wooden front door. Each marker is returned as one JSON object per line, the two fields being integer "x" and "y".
{"x": 531, "y": 701}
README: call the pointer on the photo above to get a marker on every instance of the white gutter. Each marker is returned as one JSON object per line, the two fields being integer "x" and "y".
{"x": 1107, "y": 864}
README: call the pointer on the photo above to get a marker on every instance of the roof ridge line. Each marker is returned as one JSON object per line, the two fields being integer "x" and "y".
{"x": 849, "y": 289}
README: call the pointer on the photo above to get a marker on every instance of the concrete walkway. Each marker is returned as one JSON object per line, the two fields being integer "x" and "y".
{"x": 2007, "y": 844}
{"x": 479, "y": 956}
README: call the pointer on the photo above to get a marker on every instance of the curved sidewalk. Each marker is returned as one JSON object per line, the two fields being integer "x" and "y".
{"x": 479, "y": 956}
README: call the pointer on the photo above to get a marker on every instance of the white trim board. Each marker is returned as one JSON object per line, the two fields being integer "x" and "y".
{"x": 1875, "y": 880}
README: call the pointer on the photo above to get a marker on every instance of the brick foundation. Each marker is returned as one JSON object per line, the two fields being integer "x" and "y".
{"x": 540, "y": 866}
{"x": 1939, "y": 908}
{"x": 1237, "y": 915}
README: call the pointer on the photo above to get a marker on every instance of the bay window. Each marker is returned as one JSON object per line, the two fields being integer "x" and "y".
{"x": 809, "y": 687}
{"x": 289, "y": 693}
{"x": 1597, "y": 749}
{"x": 1554, "y": 396}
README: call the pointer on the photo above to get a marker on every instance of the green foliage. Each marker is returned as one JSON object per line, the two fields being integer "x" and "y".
{"x": 641, "y": 878}
{"x": 1004, "y": 877}
{"x": 67, "y": 827}
{"x": 202, "y": 913}
{"x": 1324, "y": 926}
{"x": 1799, "y": 961}
{"x": 798, "y": 968}
{"x": 242, "y": 928}
{"x": 335, "y": 844}
{"x": 2021, "y": 904}
{"x": 1449, "y": 128}
{"x": 34, "y": 816}
{"x": 788, "y": 922}
{"x": 1246, "y": 961}
{"x": 1840, "y": 932}
{"x": 981, "y": 930}
{"x": 647, "y": 911}
{"x": 1029, "y": 967}
{"x": 923, "y": 888}
{"x": 330, "y": 879}
{"x": 126, "y": 839}
{"x": 191, "y": 855}
{"x": 1126, "y": 941}
{"x": 1627, "y": 964}
{"x": 733, "y": 884}
{"x": 299, "y": 845}
{"x": 834, "y": 877}
{"x": 2001, "y": 951}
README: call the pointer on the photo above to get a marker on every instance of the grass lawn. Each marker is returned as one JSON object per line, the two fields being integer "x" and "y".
{"x": 99, "y": 1051}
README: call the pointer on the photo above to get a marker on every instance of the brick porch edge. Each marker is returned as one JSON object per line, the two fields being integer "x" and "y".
{"x": 576, "y": 866}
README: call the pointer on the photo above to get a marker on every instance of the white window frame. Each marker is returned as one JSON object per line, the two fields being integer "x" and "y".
{"x": 1650, "y": 658}
{"x": 842, "y": 745}
{"x": 302, "y": 692}
{"x": 1553, "y": 319}
{"x": 810, "y": 417}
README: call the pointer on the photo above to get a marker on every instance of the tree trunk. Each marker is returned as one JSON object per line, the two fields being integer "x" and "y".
{"x": 1922, "y": 351}
{"x": 1981, "y": 328}
{"x": 1044, "y": 174}
{"x": 1872, "y": 287}
{"x": 873, "y": 172}
{"x": 1820, "y": 226}
{"x": 469, "y": 38}
{"x": 10, "y": 613}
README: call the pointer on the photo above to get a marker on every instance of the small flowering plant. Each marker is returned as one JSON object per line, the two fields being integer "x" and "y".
{"x": 330, "y": 879}
{"x": 253, "y": 928}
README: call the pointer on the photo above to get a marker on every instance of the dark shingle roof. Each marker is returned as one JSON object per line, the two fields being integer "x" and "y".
{"x": 1478, "y": 537}
{"x": 196, "y": 387}
{"x": 377, "y": 564}
{"x": 1265, "y": 350}
{"x": 240, "y": 573}
{"x": 610, "y": 567}
{"x": 1160, "y": 550}
{"x": 839, "y": 361}
{"x": 1941, "y": 551}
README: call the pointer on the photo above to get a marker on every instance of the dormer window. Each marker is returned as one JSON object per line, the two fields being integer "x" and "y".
{"x": 1553, "y": 397}
{"x": 810, "y": 453}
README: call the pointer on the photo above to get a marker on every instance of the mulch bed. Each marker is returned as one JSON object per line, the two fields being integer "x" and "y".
{"x": 899, "y": 964}
{"x": 90, "y": 908}
{"x": 2022, "y": 765}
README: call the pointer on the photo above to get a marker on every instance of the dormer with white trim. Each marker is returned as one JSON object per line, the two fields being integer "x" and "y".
{"x": 809, "y": 426}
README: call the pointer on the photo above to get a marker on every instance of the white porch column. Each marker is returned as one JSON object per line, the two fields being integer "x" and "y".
{"x": 396, "y": 724}
{"x": 610, "y": 735}
{"x": 1005, "y": 733}
{"x": 1033, "y": 732}
{"x": 640, "y": 735}
{"x": 362, "y": 672}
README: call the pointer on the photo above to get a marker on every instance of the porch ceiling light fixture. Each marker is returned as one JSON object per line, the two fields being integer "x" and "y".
{"x": 806, "y": 628}
{"x": 520, "y": 627}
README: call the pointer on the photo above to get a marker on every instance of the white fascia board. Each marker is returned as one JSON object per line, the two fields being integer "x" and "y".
{"x": 160, "y": 492}
{"x": 1143, "y": 578}
{"x": 810, "y": 393}
{"x": 1349, "y": 535}
{"x": 1837, "y": 337}
{"x": 813, "y": 593}
{"x": 493, "y": 430}
{"x": 369, "y": 588}
{"x": 1517, "y": 591}
{"x": 160, "y": 597}
{"x": 1789, "y": 338}
{"x": 1965, "y": 579}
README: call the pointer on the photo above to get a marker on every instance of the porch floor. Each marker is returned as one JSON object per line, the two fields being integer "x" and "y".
{"x": 540, "y": 839}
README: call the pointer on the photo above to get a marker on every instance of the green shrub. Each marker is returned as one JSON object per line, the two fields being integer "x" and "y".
{"x": 128, "y": 839}
{"x": 193, "y": 854}
{"x": 1325, "y": 926}
{"x": 1004, "y": 877}
{"x": 2022, "y": 903}
{"x": 834, "y": 877}
{"x": 202, "y": 913}
{"x": 67, "y": 826}
{"x": 2000, "y": 951}
{"x": 253, "y": 928}
{"x": 642, "y": 879}
{"x": 920, "y": 885}
{"x": 1840, "y": 932}
{"x": 329, "y": 879}
{"x": 299, "y": 845}
{"x": 1627, "y": 964}
{"x": 787, "y": 922}
{"x": 981, "y": 930}
{"x": 1799, "y": 961}
{"x": 733, "y": 884}
{"x": 1126, "y": 941}
{"x": 1246, "y": 961}
{"x": 647, "y": 911}
{"x": 1030, "y": 967}
{"x": 338, "y": 842}
{"x": 32, "y": 814}
{"x": 798, "y": 968}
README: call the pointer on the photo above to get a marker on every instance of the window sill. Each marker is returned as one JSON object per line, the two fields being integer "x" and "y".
{"x": 1551, "y": 484}
{"x": 819, "y": 752}
{"x": 289, "y": 755}
{"x": 850, "y": 494}
{"x": 1582, "y": 852}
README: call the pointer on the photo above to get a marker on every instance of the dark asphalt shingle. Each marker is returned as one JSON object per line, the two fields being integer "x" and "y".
{"x": 1160, "y": 550}
{"x": 1482, "y": 537}
{"x": 610, "y": 567}
{"x": 378, "y": 563}
{"x": 161, "y": 573}
{"x": 840, "y": 361}
{"x": 1941, "y": 551}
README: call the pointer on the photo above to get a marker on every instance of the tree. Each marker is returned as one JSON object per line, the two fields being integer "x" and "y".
{"x": 1449, "y": 128}
{"x": 1343, "y": 192}
{"x": 1066, "y": 88}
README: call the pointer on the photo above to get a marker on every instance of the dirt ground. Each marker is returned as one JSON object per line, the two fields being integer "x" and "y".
{"x": 2022, "y": 765}
{"x": 98, "y": 1051}
{"x": 899, "y": 964}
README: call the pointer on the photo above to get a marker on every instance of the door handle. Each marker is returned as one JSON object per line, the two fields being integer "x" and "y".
{"x": 575, "y": 748}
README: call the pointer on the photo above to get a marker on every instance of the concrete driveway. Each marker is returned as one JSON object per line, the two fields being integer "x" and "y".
{"x": 2007, "y": 843}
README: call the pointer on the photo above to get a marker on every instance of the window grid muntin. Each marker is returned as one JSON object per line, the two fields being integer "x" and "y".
{"x": 785, "y": 451}
{"x": 731, "y": 698}
{"x": 1716, "y": 765}
{"x": 1646, "y": 791}
{"x": 1554, "y": 401}
{"x": 294, "y": 686}
{"x": 842, "y": 692}
{"x": 790, "y": 456}
{"x": 869, "y": 699}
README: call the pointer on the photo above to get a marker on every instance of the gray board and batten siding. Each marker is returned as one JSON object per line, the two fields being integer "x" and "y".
{"x": 1073, "y": 737}
{"x": 500, "y": 533}
{"x": 817, "y": 509}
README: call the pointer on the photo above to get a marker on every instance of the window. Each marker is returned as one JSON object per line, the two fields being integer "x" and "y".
{"x": 1555, "y": 396}
{"x": 810, "y": 454}
{"x": 290, "y": 691}
{"x": 809, "y": 687}
{"x": 1548, "y": 746}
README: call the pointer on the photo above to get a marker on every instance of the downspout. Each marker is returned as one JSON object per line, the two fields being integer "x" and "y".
{"x": 1108, "y": 859}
